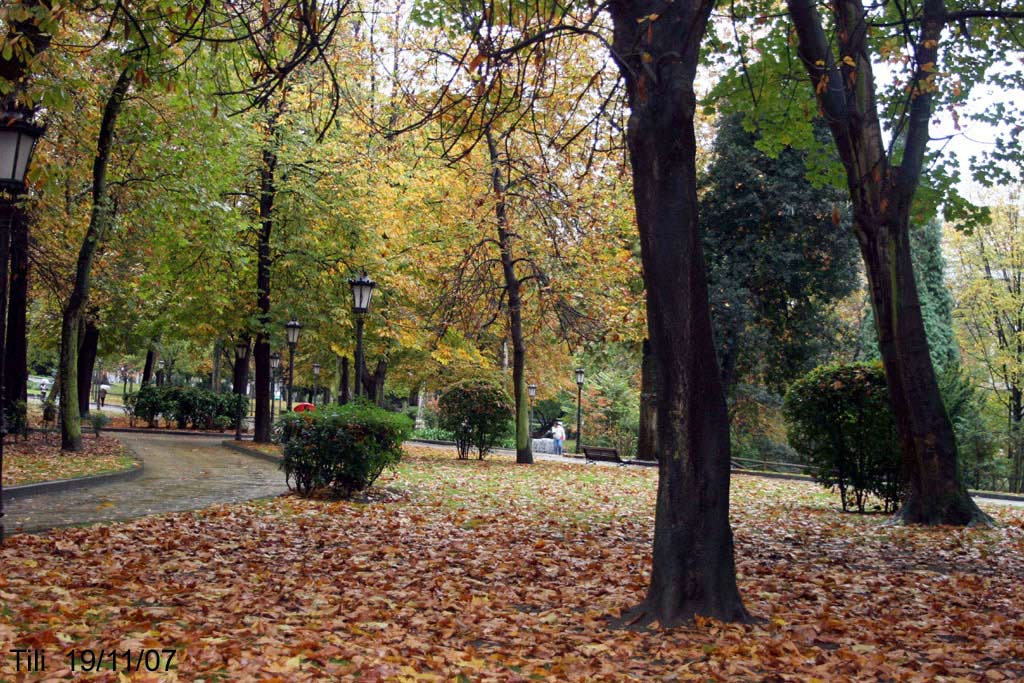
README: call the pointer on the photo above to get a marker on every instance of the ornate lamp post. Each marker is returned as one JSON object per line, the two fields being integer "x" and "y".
{"x": 579, "y": 408}
{"x": 241, "y": 351}
{"x": 124, "y": 380}
{"x": 316, "y": 381}
{"x": 17, "y": 141}
{"x": 160, "y": 379}
{"x": 362, "y": 292}
{"x": 292, "y": 327}
{"x": 275, "y": 363}
{"x": 531, "y": 389}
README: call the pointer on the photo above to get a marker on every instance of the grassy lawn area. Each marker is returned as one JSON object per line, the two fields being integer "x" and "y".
{"x": 472, "y": 571}
{"x": 40, "y": 459}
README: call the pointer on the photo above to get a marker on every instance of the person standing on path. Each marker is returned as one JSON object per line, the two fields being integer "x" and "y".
{"x": 558, "y": 433}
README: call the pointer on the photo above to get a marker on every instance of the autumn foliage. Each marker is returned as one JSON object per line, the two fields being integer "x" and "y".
{"x": 484, "y": 571}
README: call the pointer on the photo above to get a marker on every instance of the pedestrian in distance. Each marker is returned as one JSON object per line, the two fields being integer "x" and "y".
{"x": 558, "y": 433}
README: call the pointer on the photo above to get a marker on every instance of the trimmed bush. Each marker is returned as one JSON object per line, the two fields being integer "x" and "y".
{"x": 477, "y": 413}
{"x": 187, "y": 406}
{"x": 340, "y": 448}
{"x": 839, "y": 419}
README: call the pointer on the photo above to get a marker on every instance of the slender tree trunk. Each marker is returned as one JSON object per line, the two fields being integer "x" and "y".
{"x": 147, "y": 369}
{"x": 647, "y": 440}
{"x": 218, "y": 358}
{"x": 379, "y": 375}
{"x": 1016, "y": 450}
{"x": 882, "y": 195}
{"x": 264, "y": 263}
{"x": 693, "y": 573}
{"x": 343, "y": 386}
{"x": 99, "y": 221}
{"x": 524, "y": 444}
{"x": 90, "y": 340}
{"x": 15, "y": 355}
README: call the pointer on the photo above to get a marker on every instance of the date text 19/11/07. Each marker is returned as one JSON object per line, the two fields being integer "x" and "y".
{"x": 150, "y": 660}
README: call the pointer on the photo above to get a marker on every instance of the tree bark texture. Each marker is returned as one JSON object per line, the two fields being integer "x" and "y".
{"x": 882, "y": 195}
{"x": 524, "y": 444}
{"x": 87, "y": 348}
{"x": 147, "y": 369}
{"x": 647, "y": 439}
{"x": 262, "y": 426}
{"x": 15, "y": 356}
{"x": 343, "y": 386}
{"x": 99, "y": 222}
{"x": 656, "y": 45}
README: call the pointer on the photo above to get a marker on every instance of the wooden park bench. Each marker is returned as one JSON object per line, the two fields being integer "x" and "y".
{"x": 600, "y": 454}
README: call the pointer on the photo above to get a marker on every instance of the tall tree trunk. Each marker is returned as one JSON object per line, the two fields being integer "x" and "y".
{"x": 89, "y": 345}
{"x": 379, "y": 375}
{"x": 218, "y": 359}
{"x": 656, "y": 45}
{"x": 647, "y": 439}
{"x": 15, "y": 356}
{"x": 147, "y": 369}
{"x": 882, "y": 195}
{"x": 343, "y": 383}
{"x": 264, "y": 263}
{"x": 99, "y": 222}
{"x": 7, "y": 211}
{"x": 1016, "y": 449}
{"x": 524, "y": 444}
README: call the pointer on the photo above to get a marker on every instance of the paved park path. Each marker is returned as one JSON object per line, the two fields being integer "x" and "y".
{"x": 181, "y": 473}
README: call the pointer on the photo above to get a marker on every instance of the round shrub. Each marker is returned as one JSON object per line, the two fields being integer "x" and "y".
{"x": 839, "y": 419}
{"x": 340, "y": 448}
{"x": 477, "y": 413}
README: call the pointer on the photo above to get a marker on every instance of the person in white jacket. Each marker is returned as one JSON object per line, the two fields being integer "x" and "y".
{"x": 558, "y": 433}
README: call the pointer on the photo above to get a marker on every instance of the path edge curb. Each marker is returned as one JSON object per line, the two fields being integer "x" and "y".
{"x": 76, "y": 483}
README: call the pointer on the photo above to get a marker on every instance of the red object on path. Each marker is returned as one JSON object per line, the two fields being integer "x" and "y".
{"x": 301, "y": 407}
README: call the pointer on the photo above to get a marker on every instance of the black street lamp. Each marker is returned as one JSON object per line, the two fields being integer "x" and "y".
{"x": 292, "y": 327}
{"x": 275, "y": 363}
{"x": 17, "y": 141}
{"x": 362, "y": 292}
{"x": 124, "y": 381}
{"x": 316, "y": 381}
{"x": 241, "y": 352}
{"x": 579, "y": 408}
{"x": 531, "y": 389}
{"x": 160, "y": 373}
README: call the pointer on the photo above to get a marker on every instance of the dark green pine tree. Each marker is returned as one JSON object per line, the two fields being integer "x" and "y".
{"x": 778, "y": 255}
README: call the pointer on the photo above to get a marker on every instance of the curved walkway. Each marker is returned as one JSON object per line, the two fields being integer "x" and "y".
{"x": 181, "y": 473}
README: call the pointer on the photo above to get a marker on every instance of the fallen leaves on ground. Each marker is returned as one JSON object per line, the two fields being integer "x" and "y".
{"x": 489, "y": 571}
{"x": 39, "y": 458}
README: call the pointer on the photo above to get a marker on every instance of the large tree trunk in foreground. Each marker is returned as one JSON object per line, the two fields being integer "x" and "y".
{"x": 647, "y": 439}
{"x": 693, "y": 573}
{"x": 882, "y": 195}
{"x": 99, "y": 221}
{"x": 15, "y": 356}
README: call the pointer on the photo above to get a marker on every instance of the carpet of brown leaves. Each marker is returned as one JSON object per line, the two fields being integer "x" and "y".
{"x": 488, "y": 571}
{"x": 39, "y": 458}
